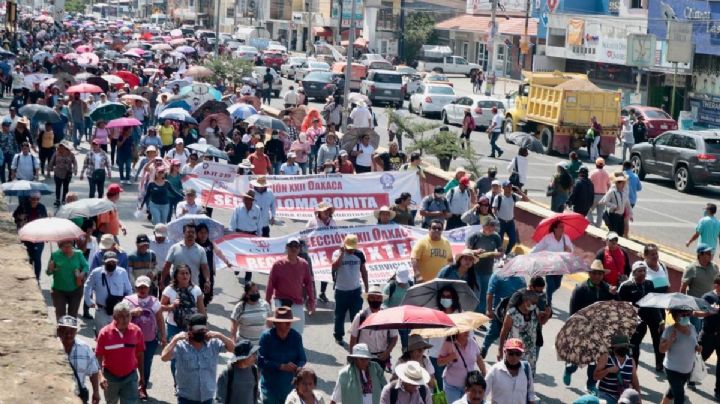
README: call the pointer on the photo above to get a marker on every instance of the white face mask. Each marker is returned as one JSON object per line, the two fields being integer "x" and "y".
{"x": 532, "y": 307}
{"x": 446, "y": 303}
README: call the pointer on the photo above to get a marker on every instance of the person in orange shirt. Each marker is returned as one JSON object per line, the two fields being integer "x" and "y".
{"x": 601, "y": 184}
{"x": 109, "y": 222}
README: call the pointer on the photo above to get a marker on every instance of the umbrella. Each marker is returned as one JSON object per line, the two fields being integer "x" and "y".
{"x": 203, "y": 91}
{"x": 84, "y": 76}
{"x": 177, "y": 114}
{"x": 180, "y": 83}
{"x": 40, "y": 113}
{"x": 6, "y": 55}
{"x": 406, "y": 318}
{"x": 35, "y": 78}
{"x": 223, "y": 120}
{"x": 151, "y": 70}
{"x": 199, "y": 72}
{"x": 425, "y": 294}
{"x": 251, "y": 100}
{"x": 85, "y": 208}
{"x": 123, "y": 123}
{"x": 179, "y": 104}
{"x": 107, "y": 112}
{"x": 544, "y": 263}
{"x": 266, "y": 122}
{"x": 357, "y": 98}
{"x": 88, "y": 59}
{"x": 47, "y": 83}
{"x": 83, "y": 49}
{"x": 574, "y": 223}
{"x": 175, "y": 228}
{"x": 113, "y": 79}
{"x": 50, "y": 229}
{"x": 125, "y": 61}
{"x": 464, "y": 322}
{"x": 526, "y": 140}
{"x": 40, "y": 56}
{"x": 210, "y": 107}
{"x": 161, "y": 47}
{"x": 241, "y": 111}
{"x": 208, "y": 150}
{"x": 25, "y": 188}
{"x": 176, "y": 33}
{"x": 133, "y": 98}
{"x": 84, "y": 88}
{"x": 587, "y": 334}
{"x": 131, "y": 79}
{"x": 100, "y": 82}
{"x": 178, "y": 41}
{"x": 676, "y": 300}
{"x": 185, "y": 49}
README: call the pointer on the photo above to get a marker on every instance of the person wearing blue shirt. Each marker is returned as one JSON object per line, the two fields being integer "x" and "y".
{"x": 634, "y": 184}
{"x": 499, "y": 288}
{"x": 707, "y": 229}
{"x": 103, "y": 281}
{"x": 281, "y": 354}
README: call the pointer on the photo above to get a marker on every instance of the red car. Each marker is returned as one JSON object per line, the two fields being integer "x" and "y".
{"x": 274, "y": 59}
{"x": 657, "y": 121}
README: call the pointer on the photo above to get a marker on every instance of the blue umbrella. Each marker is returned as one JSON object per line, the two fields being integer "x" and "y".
{"x": 25, "y": 188}
{"x": 5, "y": 68}
{"x": 109, "y": 111}
{"x": 241, "y": 111}
{"x": 198, "y": 90}
{"x": 179, "y": 104}
{"x": 40, "y": 113}
{"x": 177, "y": 114}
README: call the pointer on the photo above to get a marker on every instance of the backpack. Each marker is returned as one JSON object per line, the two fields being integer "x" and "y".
{"x": 393, "y": 286}
{"x": 185, "y": 309}
{"x": 501, "y": 309}
{"x": 231, "y": 376}
{"x": 394, "y": 393}
{"x": 146, "y": 321}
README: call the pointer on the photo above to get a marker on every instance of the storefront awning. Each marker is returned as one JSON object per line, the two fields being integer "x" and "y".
{"x": 322, "y": 31}
{"x": 481, "y": 23}
{"x": 346, "y": 32}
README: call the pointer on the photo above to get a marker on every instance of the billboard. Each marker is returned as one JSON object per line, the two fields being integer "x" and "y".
{"x": 704, "y": 16}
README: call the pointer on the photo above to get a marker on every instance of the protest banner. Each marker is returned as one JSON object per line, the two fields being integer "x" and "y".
{"x": 386, "y": 248}
{"x": 215, "y": 171}
{"x": 353, "y": 196}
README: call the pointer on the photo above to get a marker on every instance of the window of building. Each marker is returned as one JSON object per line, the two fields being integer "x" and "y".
{"x": 230, "y": 12}
{"x": 465, "y": 49}
{"x": 481, "y": 54}
{"x": 386, "y": 19}
{"x": 556, "y": 37}
{"x": 636, "y": 4}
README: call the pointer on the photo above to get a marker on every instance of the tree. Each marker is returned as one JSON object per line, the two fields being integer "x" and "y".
{"x": 419, "y": 31}
{"x": 228, "y": 70}
{"x": 75, "y": 6}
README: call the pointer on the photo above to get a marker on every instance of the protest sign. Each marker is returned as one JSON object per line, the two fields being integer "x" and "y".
{"x": 215, "y": 171}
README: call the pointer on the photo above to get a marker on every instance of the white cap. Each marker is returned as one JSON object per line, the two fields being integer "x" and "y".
{"x": 143, "y": 281}
{"x": 402, "y": 275}
{"x": 179, "y": 141}
{"x": 496, "y": 182}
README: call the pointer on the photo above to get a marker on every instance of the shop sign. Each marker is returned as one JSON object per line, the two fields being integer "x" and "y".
{"x": 704, "y": 16}
{"x": 706, "y": 109}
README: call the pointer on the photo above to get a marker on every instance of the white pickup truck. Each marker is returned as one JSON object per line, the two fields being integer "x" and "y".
{"x": 448, "y": 65}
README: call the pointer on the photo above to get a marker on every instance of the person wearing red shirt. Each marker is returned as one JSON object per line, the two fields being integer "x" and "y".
{"x": 109, "y": 222}
{"x": 120, "y": 350}
{"x": 344, "y": 165}
{"x": 260, "y": 160}
{"x": 615, "y": 259}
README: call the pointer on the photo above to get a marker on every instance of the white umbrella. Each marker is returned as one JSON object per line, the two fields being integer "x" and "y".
{"x": 113, "y": 79}
{"x": 50, "y": 229}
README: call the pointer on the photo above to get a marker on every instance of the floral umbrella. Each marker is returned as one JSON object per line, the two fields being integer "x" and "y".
{"x": 544, "y": 263}
{"x": 587, "y": 333}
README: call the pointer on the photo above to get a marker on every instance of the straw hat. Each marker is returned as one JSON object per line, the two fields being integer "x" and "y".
{"x": 260, "y": 182}
{"x": 597, "y": 265}
{"x": 283, "y": 315}
{"x": 466, "y": 253}
{"x": 246, "y": 164}
{"x": 361, "y": 351}
{"x": 323, "y": 206}
{"x": 351, "y": 242}
{"x": 411, "y": 372}
{"x": 619, "y": 177}
{"x": 383, "y": 209}
{"x": 416, "y": 342}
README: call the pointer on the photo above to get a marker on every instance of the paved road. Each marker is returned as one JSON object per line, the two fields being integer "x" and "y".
{"x": 326, "y": 357}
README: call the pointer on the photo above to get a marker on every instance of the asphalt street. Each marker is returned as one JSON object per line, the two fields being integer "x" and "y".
{"x": 660, "y": 216}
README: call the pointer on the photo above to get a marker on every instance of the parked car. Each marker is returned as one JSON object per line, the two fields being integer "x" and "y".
{"x": 657, "y": 121}
{"x": 384, "y": 86}
{"x": 437, "y": 78}
{"x": 367, "y": 58}
{"x": 380, "y": 65}
{"x": 431, "y": 98}
{"x": 689, "y": 158}
{"x": 273, "y": 59}
{"x": 449, "y": 64}
{"x": 310, "y": 66}
{"x": 288, "y": 68}
{"x": 246, "y": 53}
{"x": 319, "y": 85}
{"x": 411, "y": 79}
{"x": 233, "y": 45}
{"x": 258, "y": 73}
{"x": 480, "y": 109}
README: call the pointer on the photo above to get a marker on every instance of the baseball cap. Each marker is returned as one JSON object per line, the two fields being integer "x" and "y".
{"x": 514, "y": 344}
{"x": 68, "y": 321}
{"x": 506, "y": 183}
{"x": 179, "y": 141}
{"x": 702, "y": 247}
{"x": 439, "y": 189}
{"x": 110, "y": 256}
{"x": 465, "y": 181}
{"x": 142, "y": 281}
{"x": 402, "y": 275}
{"x": 259, "y": 145}
{"x": 114, "y": 189}
{"x": 292, "y": 240}
{"x": 142, "y": 239}
{"x": 611, "y": 236}
{"x": 496, "y": 182}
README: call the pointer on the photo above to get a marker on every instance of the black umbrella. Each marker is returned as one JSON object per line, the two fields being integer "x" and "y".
{"x": 40, "y": 113}
{"x": 526, "y": 140}
{"x": 100, "y": 82}
{"x": 210, "y": 107}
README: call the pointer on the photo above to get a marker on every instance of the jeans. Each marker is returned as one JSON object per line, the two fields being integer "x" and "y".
{"x": 150, "y": 348}
{"x": 677, "y": 382}
{"x": 276, "y": 167}
{"x": 34, "y": 252}
{"x": 62, "y": 186}
{"x": 639, "y": 334}
{"x": 88, "y": 128}
{"x": 6, "y": 164}
{"x": 594, "y": 152}
{"x": 493, "y": 144}
{"x": 158, "y": 213}
{"x": 508, "y": 227}
{"x": 46, "y": 154}
{"x": 78, "y": 130}
{"x": 452, "y": 393}
{"x": 66, "y": 302}
{"x": 590, "y": 384}
{"x": 599, "y": 210}
{"x": 113, "y": 150}
{"x": 97, "y": 183}
{"x": 124, "y": 166}
{"x": 404, "y": 336}
{"x": 123, "y": 390}
{"x": 172, "y": 330}
{"x": 438, "y": 372}
{"x": 266, "y": 96}
{"x": 484, "y": 280}
{"x": 303, "y": 168}
{"x": 607, "y": 397}
{"x": 493, "y": 334}
{"x": 553, "y": 283}
{"x": 626, "y": 147}
{"x": 346, "y": 301}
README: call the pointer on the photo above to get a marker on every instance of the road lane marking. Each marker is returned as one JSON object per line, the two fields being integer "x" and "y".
{"x": 664, "y": 215}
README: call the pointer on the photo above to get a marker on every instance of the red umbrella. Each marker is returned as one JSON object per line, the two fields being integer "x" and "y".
{"x": 84, "y": 88}
{"x": 146, "y": 36}
{"x": 575, "y": 225}
{"x": 131, "y": 79}
{"x": 123, "y": 122}
{"x": 407, "y": 317}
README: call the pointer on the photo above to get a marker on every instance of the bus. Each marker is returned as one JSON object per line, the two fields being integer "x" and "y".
{"x": 105, "y": 11}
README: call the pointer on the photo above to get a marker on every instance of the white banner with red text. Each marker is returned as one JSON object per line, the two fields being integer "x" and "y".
{"x": 352, "y": 196}
{"x": 386, "y": 248}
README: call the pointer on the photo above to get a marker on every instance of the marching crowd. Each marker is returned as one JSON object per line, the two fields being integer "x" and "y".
{"x": 153, "y": 296}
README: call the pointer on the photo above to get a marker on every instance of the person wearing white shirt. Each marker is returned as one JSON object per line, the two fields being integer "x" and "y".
{"x": 626, "y": 136}
{"x": 25, "y": 166}
{"x": 555, "y": 241}
{"x": 494, "y": 130}
{"x": 160, "y": 246}
{"x": 290, "y": 99}
{"x": 363, "y": 153}
{"x": 246, "y": 217}
{"x": 519, "y": 164}
{"x": 510, "y": 380}
{"x": 265, "y": 200}
{"x": 361, "y": 117}
{"x": 188, "y": 206}
{"x": 290, "y": 167}
{"x": 459, "y": 201}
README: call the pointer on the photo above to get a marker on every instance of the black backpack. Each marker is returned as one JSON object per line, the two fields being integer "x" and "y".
{"x": 185, "y": 309}
{"x": 394, "y": 393}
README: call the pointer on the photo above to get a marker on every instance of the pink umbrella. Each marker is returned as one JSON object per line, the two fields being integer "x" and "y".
{"x": 83, "y": 49}
{"x": 223, "y": 120}
{"x": 84, "y": 88}
{"x": 136, "y": 51}
{"x": 50, "y": 229}
{"x": 71, "y": 56}
{"x": 123, "y": 122}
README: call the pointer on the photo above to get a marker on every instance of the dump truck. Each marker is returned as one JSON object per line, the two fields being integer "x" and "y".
{"x": 557, "y": 107}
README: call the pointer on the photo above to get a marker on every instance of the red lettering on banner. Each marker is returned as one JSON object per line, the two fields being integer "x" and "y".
{"x": 340, "y": 202}
{"x": 257, "y": 262}
{"x": 325, "y": 186}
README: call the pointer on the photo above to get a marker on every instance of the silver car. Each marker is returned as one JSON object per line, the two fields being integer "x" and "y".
{"x": 288, "y": 68}
{"x": 384, "y": 86}
{"x": 246, "y": 53}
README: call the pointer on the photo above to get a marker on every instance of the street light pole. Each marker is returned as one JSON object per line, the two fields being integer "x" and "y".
{"x": 217, "y": 28}
{"x": 491, "y": 36}
{"x": 348, "y": 67}
{"x": 309, "y": 10}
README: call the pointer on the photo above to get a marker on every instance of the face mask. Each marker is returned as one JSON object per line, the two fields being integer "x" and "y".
{"x": 684, "y": 321}
{"x": 198, "y": 336}
{"x": 532, "y": 307}
{"x": 254, "y": 297}
{"x": 512, "y": 367}
{"x": 110, "y": 267}
{"x": 446, "y": 303}
{"x": 374, "y": 304}
{"x": 438, "y": 196}
{"x": 275, "y": 136}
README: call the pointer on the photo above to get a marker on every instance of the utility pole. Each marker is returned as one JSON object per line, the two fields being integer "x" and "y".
{"x": 525, "y": 40}
{"x": 491, "y": 37}
{"x": 348, "y": 67}
{"x": 401, "y": 39}
{"x": 309, "y": 9}
{"x": 217, "y": 27}
{"x": 340, "y": 14}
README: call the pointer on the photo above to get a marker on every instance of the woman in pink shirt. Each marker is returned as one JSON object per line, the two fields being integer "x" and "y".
{"x": 460, "y": 355}
{"x": 102, "y": 135}
{"x": 301, "y": 147}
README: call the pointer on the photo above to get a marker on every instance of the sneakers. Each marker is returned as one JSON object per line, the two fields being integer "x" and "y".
{"x": 567, "y": 378}
{"x": 142, "y": 393}
{"x": 592, "y": 390}
{"x": 323, "y": 298}
{"x": 56, "y": 204}
{"x": 500, "y": 153}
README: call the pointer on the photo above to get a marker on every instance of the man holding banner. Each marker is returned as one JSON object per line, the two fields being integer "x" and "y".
{"x": 265, "y": 200}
